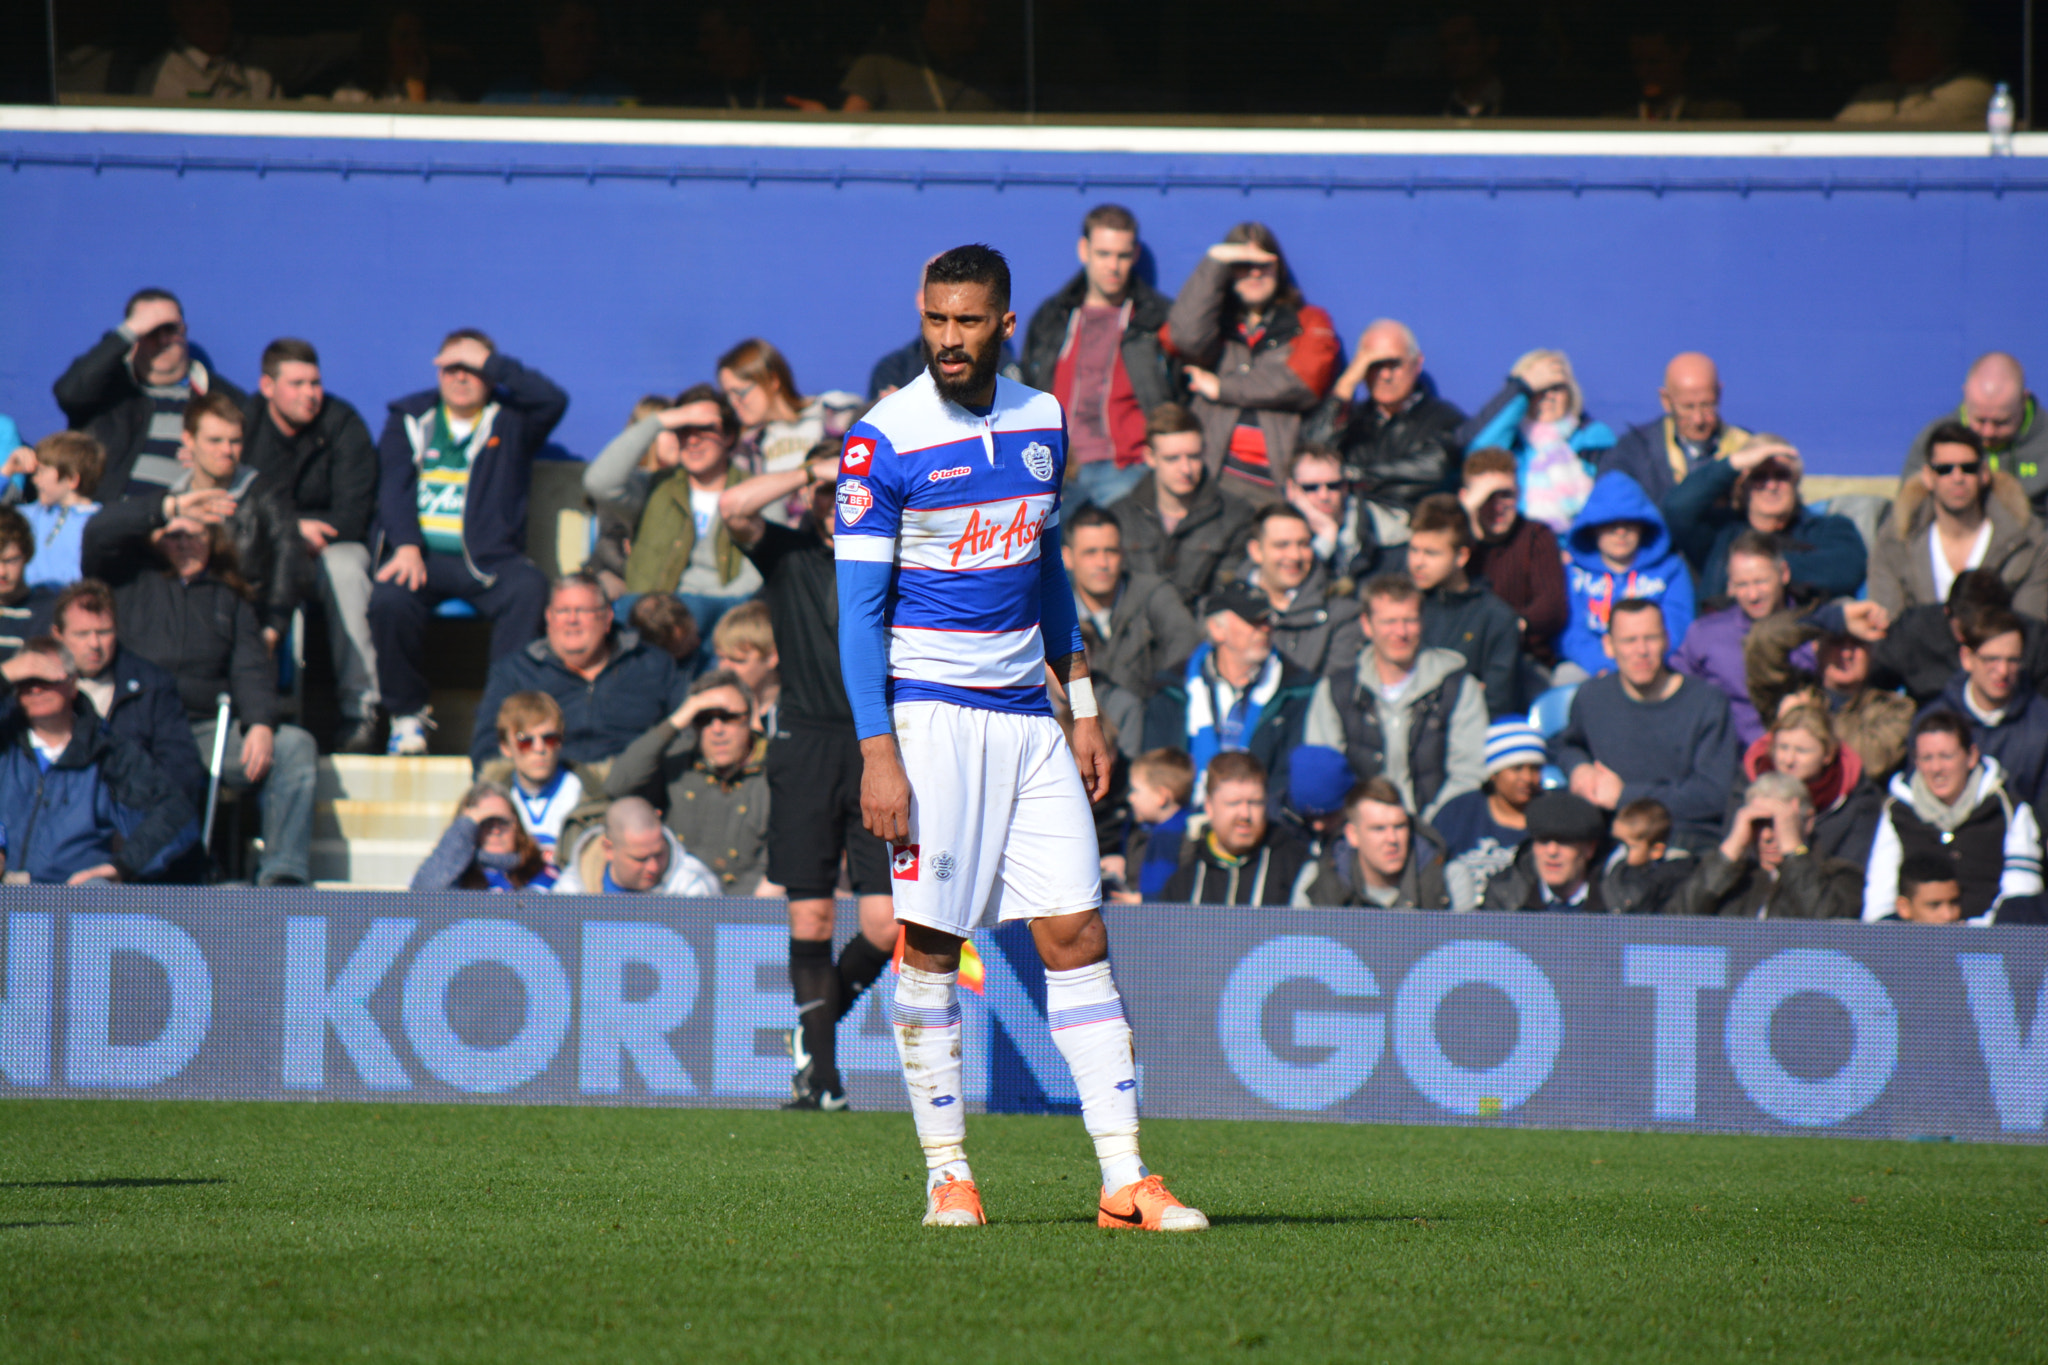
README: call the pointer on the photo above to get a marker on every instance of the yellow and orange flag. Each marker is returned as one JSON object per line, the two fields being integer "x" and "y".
{"x": 973, "y": 975}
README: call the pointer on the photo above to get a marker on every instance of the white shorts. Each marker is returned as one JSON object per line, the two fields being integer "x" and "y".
{"x": 999, "y": 822}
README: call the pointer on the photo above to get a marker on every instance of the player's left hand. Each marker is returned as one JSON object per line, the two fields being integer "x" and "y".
{"x": 1091, "y": 755}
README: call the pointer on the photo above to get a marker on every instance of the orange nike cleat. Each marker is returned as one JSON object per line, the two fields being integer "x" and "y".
{"x": 1149, "y": 1205}
{"x": 954, "y": 1204}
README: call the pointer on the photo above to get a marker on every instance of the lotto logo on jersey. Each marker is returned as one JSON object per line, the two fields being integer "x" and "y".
{"x": 903, "y": 863}
{"x": 859, "y": 457}
{"x": 854, "y": 500}
{"x": 981, "y": 538}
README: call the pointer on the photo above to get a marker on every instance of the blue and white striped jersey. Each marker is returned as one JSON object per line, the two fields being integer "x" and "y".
{"x": 957, "y": 504}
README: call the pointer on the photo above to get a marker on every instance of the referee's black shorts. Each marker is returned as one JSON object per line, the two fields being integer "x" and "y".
{"x": 814, "y": 815}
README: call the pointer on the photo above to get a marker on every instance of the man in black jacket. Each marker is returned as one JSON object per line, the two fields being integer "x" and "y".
{"x": 1143, "y": 626}
{"x": 1556, "y": 867}
{"x": 130, "y": 391}
{"x": 1095, "y": 347}
{"x": 1401, "y": 439}
{"x": 454, "y": 465}
{"x": 318, "y": 448}
{"x": 1178, "y": 523}
{"x": 192, "y": 619}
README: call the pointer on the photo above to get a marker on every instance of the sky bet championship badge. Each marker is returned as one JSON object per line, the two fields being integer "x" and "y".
{"x": 854, "y": 501}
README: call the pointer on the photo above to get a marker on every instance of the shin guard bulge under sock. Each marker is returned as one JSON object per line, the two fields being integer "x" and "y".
{"x": 1087, "y": 1019}
{"x": 926, "y": 1020}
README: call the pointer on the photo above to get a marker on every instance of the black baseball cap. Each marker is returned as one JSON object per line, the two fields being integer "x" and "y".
{"x": 1251, "y": 605}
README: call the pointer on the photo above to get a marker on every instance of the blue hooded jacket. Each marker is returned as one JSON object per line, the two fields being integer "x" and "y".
{"x": 1658, "y": 572}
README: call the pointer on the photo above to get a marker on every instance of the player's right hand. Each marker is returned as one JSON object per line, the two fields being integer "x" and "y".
{"x": 884, "y": 790}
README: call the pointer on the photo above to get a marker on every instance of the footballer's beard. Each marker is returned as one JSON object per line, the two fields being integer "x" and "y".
{"x": 980, "y": 375}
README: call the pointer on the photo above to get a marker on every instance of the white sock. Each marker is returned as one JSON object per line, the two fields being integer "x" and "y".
{"x": 1087, "y": 1019}
{"x": 926, "y": 1016}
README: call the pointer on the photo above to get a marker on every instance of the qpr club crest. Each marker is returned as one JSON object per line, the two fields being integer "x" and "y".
{"x": 1038, "y": 459}
{"x": 942, "y": 867}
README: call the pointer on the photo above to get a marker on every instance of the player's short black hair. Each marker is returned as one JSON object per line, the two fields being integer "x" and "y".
{"x": 973, "y": 264}
{"x": 1923, "y": 869}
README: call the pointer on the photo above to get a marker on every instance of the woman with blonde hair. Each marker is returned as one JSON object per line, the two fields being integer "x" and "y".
{"x": 1802, "y": 745}
{"x": 1539, "y": 417}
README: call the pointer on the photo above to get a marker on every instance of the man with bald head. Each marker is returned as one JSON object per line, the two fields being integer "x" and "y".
{"x": 1997, "y": 406}
{"x": 1658, "y": 455}
{"x": 633, "y": 853}
{"x": 1401, "y": 438}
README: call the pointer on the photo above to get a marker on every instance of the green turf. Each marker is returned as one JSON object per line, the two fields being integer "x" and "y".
{"x": 225, "y": 1233}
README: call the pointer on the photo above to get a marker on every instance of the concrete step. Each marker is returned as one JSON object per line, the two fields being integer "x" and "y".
{"x": 374, "y": 777}
{"x": 418, "y": 821}
{"x": 369, "y": 863}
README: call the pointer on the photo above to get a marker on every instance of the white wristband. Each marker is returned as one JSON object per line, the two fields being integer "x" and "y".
{"x": 1081, "y": 698}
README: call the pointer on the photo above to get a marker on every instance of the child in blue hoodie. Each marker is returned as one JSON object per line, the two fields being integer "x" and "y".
{"x": 1620, "y": 548}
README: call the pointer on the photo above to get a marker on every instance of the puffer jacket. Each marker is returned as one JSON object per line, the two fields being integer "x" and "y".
{"x": 1207, "y": 545}
{"x": 1657, "y": 573}
{"x": 203, "y": 632}
{"x": 1284, "y": 373}
{"x": 102, "y": 801}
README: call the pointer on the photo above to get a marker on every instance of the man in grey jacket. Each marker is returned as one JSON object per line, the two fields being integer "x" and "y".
{"x": 1144, "y": 627}
{"x": 1409, "y": 714}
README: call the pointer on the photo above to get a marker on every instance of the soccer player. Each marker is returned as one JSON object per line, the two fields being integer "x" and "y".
{"x": 952, "y": 603}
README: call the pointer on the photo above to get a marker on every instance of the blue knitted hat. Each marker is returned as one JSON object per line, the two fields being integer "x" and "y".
{"x": 1317, "y": 778}
{"x": 1511, "y": 743}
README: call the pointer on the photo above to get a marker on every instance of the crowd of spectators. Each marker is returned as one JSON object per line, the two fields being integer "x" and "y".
{"x": 1353, "y": 646}
{"x": 1927, "y": 61}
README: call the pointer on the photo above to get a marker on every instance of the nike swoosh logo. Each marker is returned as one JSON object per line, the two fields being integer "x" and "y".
{"x": 1133, "y": 1219}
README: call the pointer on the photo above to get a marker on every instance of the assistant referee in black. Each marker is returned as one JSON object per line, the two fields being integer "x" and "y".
{"x": 814, "y": 770}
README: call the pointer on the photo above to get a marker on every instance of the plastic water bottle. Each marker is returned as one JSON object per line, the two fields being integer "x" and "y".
{"x": 1998, "y": 121}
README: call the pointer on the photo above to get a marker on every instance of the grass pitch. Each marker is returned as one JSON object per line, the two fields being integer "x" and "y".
{"x": 216, "y": 1233}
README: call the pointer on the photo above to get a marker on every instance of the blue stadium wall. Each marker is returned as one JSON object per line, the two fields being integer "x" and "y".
{"x": 1843, "y": 281}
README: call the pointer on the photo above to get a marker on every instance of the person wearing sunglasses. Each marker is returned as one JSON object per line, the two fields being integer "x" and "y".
{"x": 454, "y": 465}
{"x": 1757, "y": 489}
{"x": 129, "y": 392}
{"x": 1997, "y": 406}
{"x": 486, "y": 848}
{"x": 556, "y": 801}
{"x": 1258, "y": 358}
{"x": 1959, "y": 514}
{"x": 703, "y": 768}
{"x": 80, "y": 803}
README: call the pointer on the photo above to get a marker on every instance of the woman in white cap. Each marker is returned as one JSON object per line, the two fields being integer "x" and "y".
{"x": 1482, "y": 829}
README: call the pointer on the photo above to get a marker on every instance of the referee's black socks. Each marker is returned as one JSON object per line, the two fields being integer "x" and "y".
{"x": 818, "y": 1005}
{"x": 860, "y": 963}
